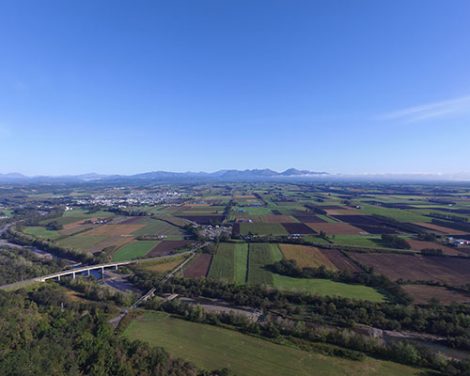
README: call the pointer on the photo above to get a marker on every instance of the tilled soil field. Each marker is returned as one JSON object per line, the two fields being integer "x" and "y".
{"x": 199, "y": 266}
{"x": 454, "y": 271}
{"x": 167, "y": 246}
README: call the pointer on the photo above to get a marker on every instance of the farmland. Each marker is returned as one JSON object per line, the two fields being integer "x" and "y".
{"x": 351, "y": 259}
{"x": 230, "y": 262}
{"x": 306, "y": 257}
{"x": 260, "y": 256}
{"x": 211, "y": 347}
{"x": 326, "y": 287}
{"x": 134, "y": 250}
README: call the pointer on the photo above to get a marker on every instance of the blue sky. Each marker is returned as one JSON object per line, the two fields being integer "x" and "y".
{"x": 132, "y": 86}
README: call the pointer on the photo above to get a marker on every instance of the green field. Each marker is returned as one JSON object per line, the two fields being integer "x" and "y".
{"x": 134, "y": 250}
{"x": 80, "y": 242}
{"x": 212, "y": 347}
{"x": 262, "y": 229}
{"x": 261, "y": 210}
{"x": 370, "y": 241}
{"x": 157, "y": 227}
{"x": 260, "y": 255}
{"x": 326, "y": 287}
{"x": 397, "y": 214}
{"x": 41, "y": 232}
{"x": 230, "y": 262}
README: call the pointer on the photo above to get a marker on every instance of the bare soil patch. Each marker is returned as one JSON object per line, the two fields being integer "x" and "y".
{"x": 340, "y": 261}
{"x": 418, "y": 245}
{"x": 309, "y": 219}
{"x": 440, "y": 229}
{"x": 298, "y": 228}
{"x": 336, "y": 228}
{"x": 422, "y": 294}
{"x": 204, "y": 219}
{"x": 166, "y": 247}
{"x": 454, "y": 271}
{"x": 277, "y": 218}
{"x": 199, "y": 266}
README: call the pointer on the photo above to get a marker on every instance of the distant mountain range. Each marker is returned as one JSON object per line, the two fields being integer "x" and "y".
{"x": 290, "y": 174}
{"x": 221, "y": 175}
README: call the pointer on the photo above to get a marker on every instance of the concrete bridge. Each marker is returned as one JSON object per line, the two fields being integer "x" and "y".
{"x": 83, "y": 269}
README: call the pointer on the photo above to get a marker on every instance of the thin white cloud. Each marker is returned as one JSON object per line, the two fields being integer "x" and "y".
{"x": 428, "y": 111}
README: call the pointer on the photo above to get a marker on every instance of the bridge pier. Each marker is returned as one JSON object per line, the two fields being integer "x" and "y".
{"x": 102, "y": 272}
{"x": 115, "y": 267}
{"x": 58, "y": 278}
{"x": 73, "y": 275}
{"x": 88, "y": 272}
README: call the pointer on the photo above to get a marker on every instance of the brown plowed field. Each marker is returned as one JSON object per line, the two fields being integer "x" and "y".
{"x": 418, "y": 245}
{"x": 203, "y": 219}
{"x": 199, "y": 266}
{"x": 305, "y": 256}
{"x": 276, "y": 219}
{"x": 422, "y": 294}
{"x": 309, "y": 219}
{"x": 116, "y": 241}
{"x": 336, "y": 228}
{"x": 298, "y": 228}
{"x": 167, "y": 246}
{"x": 340, "y": 261}
{"x": 133, "y": 221}
{"x": 450, "y": 270}
{"x": 440, "y": 229}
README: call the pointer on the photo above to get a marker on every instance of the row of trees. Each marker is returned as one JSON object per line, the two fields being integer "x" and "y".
{"x": 447, "y": 321}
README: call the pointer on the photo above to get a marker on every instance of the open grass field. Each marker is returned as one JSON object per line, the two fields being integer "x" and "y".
{"x": 157, "y": 227}
{"x": 262, "y": 229}
{"x": 398, "y": 214}
{"x": 260, "y": 255}
{"x": 41, "y": 232}
{"x": 136, "y": 249}
{"x": 305, "y": 256}
{"x": 365, "y": 241}
{"x": 81, "y": 242}
{"x": 212, "y": 347}
{"x": 325, "y": 287}
{"x": 230, "y": 262}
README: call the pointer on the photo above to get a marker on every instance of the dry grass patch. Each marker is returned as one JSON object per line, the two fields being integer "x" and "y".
{"x": 306, "y": 257}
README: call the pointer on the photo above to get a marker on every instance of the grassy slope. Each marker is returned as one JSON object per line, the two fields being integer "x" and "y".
{"x": 326, "y": 287}
{"x": 134, "y": 250}
{"x": 212, "y": 347}
{"x": 41, "y": 232}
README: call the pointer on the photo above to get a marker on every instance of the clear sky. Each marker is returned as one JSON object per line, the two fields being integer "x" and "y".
{"x": 133, "y": 86}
